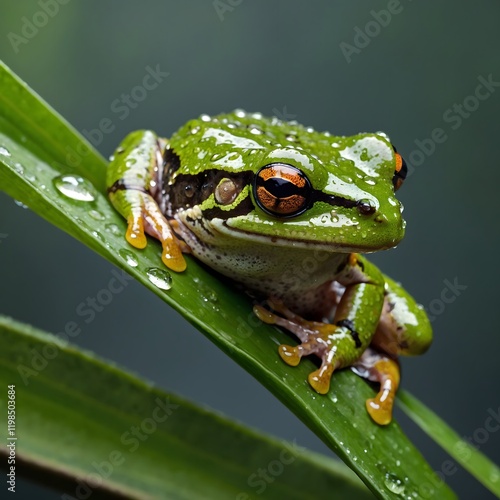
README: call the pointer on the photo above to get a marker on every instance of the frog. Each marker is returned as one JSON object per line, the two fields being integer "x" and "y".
{"x": 288, "y": 213}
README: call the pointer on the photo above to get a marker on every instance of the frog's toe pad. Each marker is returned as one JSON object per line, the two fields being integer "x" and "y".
{"x": 320, "y": 379}
{"x": 172, "y": 256}
{"x": 264, "y": 315}
{"x": 381, "y": 413}
{"x": 135, "y": 231}
{"x": 290, "y": 355}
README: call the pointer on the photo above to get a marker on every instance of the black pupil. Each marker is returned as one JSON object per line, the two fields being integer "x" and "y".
{"x": 279, "y": 187}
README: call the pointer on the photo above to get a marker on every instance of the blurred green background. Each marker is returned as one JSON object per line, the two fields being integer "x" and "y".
{"x": 314, "y": 62}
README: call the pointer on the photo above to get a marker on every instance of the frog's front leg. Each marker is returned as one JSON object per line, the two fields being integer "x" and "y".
{"x": 342, "y": 342}
{"x": 133, "y": 178}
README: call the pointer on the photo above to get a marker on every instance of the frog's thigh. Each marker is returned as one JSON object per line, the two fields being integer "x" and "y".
{"x": 404, "y": 328}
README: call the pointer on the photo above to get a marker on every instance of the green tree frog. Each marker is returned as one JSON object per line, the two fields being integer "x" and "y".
{"x": 286, "y": 211}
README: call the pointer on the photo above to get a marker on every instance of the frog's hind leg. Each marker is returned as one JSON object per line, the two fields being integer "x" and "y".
{"x": 404, "y": 328}
{"x": 378, "y": 367}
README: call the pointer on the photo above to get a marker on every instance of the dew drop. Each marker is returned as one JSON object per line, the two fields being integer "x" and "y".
{"x": 128, "y": 257}
{"x": 98, "y": 235}
{"x": 4, "y": 151}
{"x": 74, "y": 187}
{"x": 20, "y": 204}
{"x": 159, "y": 278}
{"x": 205, "y": 118}
{"x": 239, "y": 113}
{"x": 394, "y": 484}
{"x": 113, "y": 229}
{"x": 255, "y": 130}
{"x": 18, "y": 168}
{"x": 96, "y": 215}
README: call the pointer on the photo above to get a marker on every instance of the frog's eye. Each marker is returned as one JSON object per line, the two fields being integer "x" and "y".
{"x": 400, "y": 171}
{"x": 282, "y": 190}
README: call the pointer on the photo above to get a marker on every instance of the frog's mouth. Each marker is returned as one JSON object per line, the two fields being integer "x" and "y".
{"x": 225, "y": 230}
{"x": 197, "y": 231}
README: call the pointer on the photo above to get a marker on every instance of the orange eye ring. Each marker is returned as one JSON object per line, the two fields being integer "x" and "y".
{"x": 282, "y": 190}
{"x": 400, "y": 171}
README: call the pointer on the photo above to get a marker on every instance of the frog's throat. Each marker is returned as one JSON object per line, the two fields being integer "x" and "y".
{"x": 287, "y": 271}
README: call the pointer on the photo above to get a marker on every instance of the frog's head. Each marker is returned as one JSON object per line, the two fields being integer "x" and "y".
{"x": 273, "y": 182}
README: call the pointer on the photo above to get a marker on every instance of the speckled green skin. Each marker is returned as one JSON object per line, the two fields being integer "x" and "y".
{"x": 268, "y": 253}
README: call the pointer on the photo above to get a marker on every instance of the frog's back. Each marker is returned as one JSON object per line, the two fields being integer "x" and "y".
{"x": 227, "y": 141}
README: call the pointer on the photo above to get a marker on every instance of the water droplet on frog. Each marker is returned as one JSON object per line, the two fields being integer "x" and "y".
{"x": 205, "y": 118}
{"x": 20, "y": 204}
{"x": 234, "y": 156}
{"x": 113, "y": 229}
{"x": 128, "y": 257}
{"x": 232, "y": 125}
{"x": 111, "y": 157}
{"x": 195, "y": 130}
{"x": 4, "y": 151}
{"x": 326, "y": 134}
{"x": 291, "y": 138}
{"x": 334, "y": 217}
{"x": 383, "y": 134}
{"x": 309, "y": 129}
{"x": 394, "y": 484}
{"x": 96, "y": 215}
{"x": 239, "y": 113}
{"x": 335, "y": 145}
{"x": 364, "y": 156}
{"x": 257, "y": 116}
{"x": 159, "y": 278}
{"x": 255, "y": 130}
{"x": 74, "y": 187}
{"x": 216, "y": 156}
